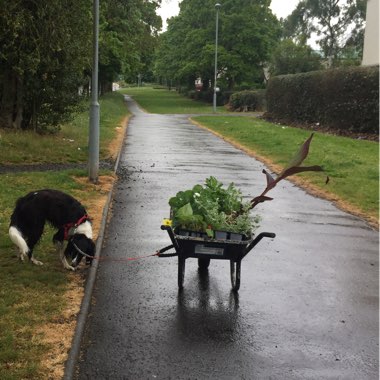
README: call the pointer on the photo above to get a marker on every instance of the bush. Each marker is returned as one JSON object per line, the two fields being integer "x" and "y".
{"x": 207, "y": 96}
{"x": 192, "y": 94}
{"x": 248, "y": 101}
{"x": 342, "y": 99}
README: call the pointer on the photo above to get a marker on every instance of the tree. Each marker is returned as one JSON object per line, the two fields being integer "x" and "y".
{"x": 46, "y": 54}
{"x": 336, "y": 22}
{"x": 292, "y": 58}
{"x": 247, "y": 32}
{"x": 128, "y": 37}
{"x": 44, "y": 51}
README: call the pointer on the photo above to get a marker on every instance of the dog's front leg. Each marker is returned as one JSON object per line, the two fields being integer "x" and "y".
{"x": 59, "y": 245}
{"x": 62, "y": 256}
{"x": 36, "y": 262}
{"x": 58, "y": 240}
{"x": 22, "y": 256}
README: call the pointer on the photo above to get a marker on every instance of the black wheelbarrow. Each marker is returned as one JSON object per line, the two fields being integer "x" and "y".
{"x": 205, "y": 249}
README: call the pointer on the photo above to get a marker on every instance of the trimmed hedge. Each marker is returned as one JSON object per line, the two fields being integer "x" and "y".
{"x": 248, "y": 101}
{"x": 344, "y": 98}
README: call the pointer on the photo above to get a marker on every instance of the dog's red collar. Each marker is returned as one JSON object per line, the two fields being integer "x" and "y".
{"x": 68, "y": 226}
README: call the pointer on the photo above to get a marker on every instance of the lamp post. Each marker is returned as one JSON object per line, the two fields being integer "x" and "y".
{"x": 217, "y": 6}
{"x": 93, "y": 140}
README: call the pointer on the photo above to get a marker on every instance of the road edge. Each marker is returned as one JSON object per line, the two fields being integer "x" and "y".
{"x": 74, "y": 352}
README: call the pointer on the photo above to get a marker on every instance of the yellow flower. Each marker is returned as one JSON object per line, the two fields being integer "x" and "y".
{"x": 167, "y": 222}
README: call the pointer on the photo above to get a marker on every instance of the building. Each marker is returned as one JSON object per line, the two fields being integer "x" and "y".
{"x": 371, "y": 36}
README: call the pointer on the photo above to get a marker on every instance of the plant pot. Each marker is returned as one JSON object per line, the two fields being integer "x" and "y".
{"x": 221, "y": 235}
{"x": 236, "y": 236}
{"x": 184, "y": 232}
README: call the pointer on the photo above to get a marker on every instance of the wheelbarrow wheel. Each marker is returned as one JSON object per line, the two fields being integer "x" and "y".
{"x": 235, "y": 274}
{"x": 181, "y": 271}
{"x": 203, "y": 264}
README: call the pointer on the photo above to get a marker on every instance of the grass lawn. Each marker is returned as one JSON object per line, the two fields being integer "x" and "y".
{"x": 70, "y": 143}
{"x": 39, "y": 304}
{"x": 352, "y": 165}
{"x": 163, "y": 101}
{"x": 34, "y": 300}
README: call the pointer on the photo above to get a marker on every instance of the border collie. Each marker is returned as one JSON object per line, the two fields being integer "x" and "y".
{"x": 64, "y": 213}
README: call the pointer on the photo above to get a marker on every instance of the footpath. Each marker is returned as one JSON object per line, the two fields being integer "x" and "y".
{"x": 308, "y": 303}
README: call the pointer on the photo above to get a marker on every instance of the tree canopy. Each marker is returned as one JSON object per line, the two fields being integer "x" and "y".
{"x": 46, "y": 51}
{"x": 338, "y": 24}
{"x": 247, "y": 32}
{"x": 292, "y": 58}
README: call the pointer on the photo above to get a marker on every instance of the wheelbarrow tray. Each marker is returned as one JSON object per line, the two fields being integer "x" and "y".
{"x": 205, "y": 249}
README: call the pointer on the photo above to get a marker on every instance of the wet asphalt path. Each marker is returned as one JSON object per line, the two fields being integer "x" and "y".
{"x": 308, "y": 303}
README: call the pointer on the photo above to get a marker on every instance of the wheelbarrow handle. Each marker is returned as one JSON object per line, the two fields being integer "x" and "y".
{"x": 171, "y": 235}
{"x": 257, "y": 240}
{"x": 161, "y": 253}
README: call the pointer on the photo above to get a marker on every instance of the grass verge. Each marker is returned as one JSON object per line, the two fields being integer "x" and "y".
{"x": 352, "y": 165}
{"x": 168, "y": 102}
{"x": 69, "y": 145}
{"x": 39, "y": 305}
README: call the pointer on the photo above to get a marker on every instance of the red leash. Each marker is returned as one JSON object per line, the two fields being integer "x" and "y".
{"x": 158, "y": 253}
{"x": 142, "y": 257}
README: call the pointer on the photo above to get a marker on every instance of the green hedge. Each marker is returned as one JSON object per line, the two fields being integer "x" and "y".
{"x": 248, "y": 101}
{"x": 344, "y": 98}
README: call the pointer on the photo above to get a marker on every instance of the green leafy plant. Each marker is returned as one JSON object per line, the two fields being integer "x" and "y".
{"x": 212, "y": 207}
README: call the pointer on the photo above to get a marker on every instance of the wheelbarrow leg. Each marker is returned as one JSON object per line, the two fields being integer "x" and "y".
{"x": 181, "y": 271}
{"x": 235, "y": 268}
{"x": 203, "y": 264}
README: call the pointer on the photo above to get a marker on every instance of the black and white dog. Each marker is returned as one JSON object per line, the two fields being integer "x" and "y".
{"x": 63, "y": 212}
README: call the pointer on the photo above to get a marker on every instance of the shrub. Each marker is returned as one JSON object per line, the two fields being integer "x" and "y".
{"x": 344, "y": 98}
{"x": 207, "y": 96}
{"x": 248, "y": 101}
{"x": 192, "y": 94}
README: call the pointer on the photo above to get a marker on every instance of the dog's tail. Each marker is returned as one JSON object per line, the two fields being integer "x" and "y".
{"x": 18, "y": 240}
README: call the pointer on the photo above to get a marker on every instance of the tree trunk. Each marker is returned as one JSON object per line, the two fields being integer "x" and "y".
{"x": 8, "y": 99}
{"x": 231, "y": 83}
{"x": 17, "y": 123}
{"x": 11, "y": 106}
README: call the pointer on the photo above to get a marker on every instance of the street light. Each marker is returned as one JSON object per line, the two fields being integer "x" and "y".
{"x": 93, "y": 139}
{"x": 217, "y": 6}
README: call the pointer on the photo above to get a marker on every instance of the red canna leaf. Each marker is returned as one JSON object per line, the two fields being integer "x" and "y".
{"x": 259, "y": 199}
{"x": 301, "y": 155}
{"x": 293, "y": 168}
{"x": 299, "y": 169}
{"x": 271, "y": 182}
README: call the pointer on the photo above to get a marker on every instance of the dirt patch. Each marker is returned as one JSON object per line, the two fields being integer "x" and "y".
{"x": 95, "y": 205}
{"x": 58, "y": 334}
{"x": 115, "y": 145}
{"x": 307, "y": 186}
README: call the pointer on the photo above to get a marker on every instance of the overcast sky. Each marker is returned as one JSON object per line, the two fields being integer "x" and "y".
{"x": 281, "y": 8}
